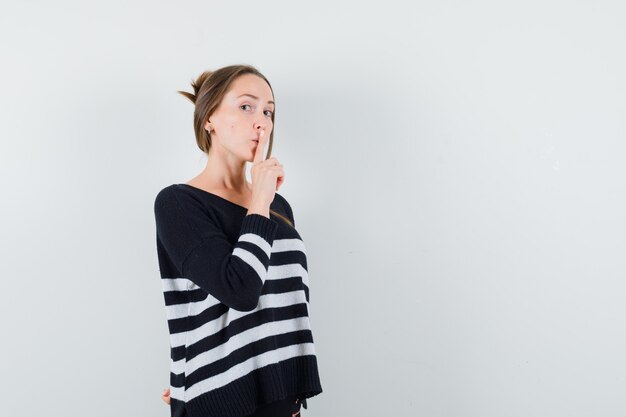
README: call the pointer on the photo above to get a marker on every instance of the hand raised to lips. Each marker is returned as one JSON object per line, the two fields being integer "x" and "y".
{"x": 259, "y": 154}
{"x": 265, "y": 172}
{"x": 258, "y": 138}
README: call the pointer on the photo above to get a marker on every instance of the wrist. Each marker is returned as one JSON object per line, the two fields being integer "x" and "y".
{"x": 259, "y": 208}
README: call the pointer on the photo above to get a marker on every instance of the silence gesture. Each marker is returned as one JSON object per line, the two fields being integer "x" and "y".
{"x": 267, "y": 175}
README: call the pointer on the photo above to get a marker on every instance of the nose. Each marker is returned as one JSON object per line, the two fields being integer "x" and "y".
{"x": 261, "y": 122}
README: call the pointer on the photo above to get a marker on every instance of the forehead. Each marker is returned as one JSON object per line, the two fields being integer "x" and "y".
{"x": 251, "y": 84}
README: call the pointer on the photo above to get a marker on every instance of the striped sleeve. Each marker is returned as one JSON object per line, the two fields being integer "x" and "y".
{"x": 202, "y": 253}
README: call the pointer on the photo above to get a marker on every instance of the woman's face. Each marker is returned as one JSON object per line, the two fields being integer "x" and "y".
{"x": 237, "y": 122}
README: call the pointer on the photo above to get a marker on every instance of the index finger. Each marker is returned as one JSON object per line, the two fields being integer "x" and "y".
{"x": 260, "y": 148}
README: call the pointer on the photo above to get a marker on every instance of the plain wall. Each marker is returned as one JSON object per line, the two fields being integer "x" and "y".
{"x": 456, "y": 170}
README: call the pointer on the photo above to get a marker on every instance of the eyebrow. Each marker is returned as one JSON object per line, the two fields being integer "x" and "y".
{"x": 255, "y": 97}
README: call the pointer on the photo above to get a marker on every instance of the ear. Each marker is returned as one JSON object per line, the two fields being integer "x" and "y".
{"x": 207, "y": 126}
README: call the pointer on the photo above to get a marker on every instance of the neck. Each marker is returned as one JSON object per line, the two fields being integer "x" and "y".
{"x": 226, "y": 173}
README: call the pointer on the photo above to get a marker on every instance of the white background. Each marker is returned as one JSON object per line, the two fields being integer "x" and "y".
{"x": 455, "y": 169}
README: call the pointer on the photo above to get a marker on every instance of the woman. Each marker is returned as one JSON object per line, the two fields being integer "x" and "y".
{"x": 233, "y": 267}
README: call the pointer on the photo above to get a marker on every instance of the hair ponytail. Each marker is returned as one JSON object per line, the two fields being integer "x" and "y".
{"x": 196, "y": 85}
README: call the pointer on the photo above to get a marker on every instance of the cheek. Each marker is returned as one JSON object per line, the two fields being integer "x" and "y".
{"x": 233, "y": 122}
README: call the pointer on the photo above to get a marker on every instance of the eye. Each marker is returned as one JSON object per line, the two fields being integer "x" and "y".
{"x": 267, "y": 111}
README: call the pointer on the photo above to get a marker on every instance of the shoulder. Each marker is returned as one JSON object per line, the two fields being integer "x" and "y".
{"x": 284, "y": 204}
{"x": 175, "y": 197}
{"x": 166, "y": 197}
{"x": 164, "y": 193}
{"x": 282, "y": 201}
